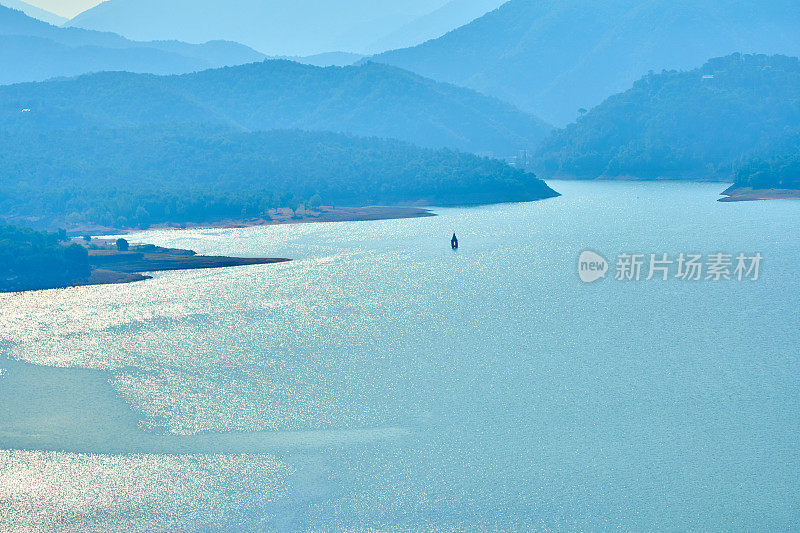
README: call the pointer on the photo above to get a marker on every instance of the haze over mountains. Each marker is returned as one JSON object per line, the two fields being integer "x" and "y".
{"x": 702, "y": 124}
{"x": 32, "y": 50}
{"x": 104, "y": 148}
{"x": 437, "y": 23}
{"x": 369, "y": 100}
{"x": 35, "y": 12}
{"x": 552, "y": 57}
{"x": 274, "y": 27}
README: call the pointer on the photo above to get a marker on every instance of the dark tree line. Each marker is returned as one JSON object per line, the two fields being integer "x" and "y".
{"x": 30, "y": 259}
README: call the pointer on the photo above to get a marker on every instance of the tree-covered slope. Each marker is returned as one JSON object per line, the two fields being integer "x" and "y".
{"x": 138, "y": 176}
{"x": 702, "y": 123}
{"x": 552, "y": 57}
{"x": 369, "y": 100}
{"x": 775, "y": 165}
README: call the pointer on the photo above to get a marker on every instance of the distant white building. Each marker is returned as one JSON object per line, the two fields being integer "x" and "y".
{"x": 522, "y": 160}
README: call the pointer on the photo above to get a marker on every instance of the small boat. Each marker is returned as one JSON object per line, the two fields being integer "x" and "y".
{"x": 454, "y": 242}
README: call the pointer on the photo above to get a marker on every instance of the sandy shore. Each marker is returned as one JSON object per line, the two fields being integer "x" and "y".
{"x": 276, "y": 217}
{"x": 748, "y": 194}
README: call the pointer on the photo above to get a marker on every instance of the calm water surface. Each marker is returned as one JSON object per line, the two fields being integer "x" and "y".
{"x": 383, "y": 381}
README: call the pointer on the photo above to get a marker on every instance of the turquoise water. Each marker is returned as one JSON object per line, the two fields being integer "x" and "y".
{"x": 382, "y": 381}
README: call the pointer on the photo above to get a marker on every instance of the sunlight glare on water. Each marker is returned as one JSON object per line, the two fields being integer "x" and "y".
{"x": 484, "y": 387}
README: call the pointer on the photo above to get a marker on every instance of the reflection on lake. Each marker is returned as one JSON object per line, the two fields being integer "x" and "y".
{"x": 383, "y": 380}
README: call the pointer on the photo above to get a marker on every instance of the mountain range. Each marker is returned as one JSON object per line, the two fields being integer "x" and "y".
{"x": 368, "y": 100}
{"x": 274, "y": 27}
{"x": 704, "y": 123}
{"x": 553, "y": 57}
{"x": 33, "y": 50}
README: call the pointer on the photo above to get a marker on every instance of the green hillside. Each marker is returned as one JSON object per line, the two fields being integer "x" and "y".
{"x": 142, "y": 176}
{"x": 702, "y": 123}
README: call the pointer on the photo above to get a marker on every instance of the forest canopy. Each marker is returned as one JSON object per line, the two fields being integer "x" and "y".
{"x": 190, "y": 173}
{"x": 704, "y": 123}
{"x": 31, "y": 259}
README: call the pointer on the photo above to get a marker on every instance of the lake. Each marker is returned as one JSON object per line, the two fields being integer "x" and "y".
{"x": 383, "y": 381}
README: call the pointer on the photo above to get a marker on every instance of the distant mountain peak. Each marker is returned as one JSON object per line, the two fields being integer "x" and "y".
{"x": 34, "y": 12}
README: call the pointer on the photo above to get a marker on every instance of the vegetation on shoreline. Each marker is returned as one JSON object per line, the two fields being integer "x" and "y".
{"x": 31, "y": 259}
{"x": 35, "y": 260}
{"x": 776, "y": 166}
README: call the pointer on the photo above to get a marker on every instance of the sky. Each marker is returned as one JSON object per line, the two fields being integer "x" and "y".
{"x": 65, "y": 8}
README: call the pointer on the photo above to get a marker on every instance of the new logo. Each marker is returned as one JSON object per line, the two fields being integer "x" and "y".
{"x": 592, "y": 267}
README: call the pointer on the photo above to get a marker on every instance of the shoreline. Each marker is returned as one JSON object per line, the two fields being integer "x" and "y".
{"x": 630, "y": 178}
{"x": 110, "y": 266}
{"x": 748, "y": 194}
{"x": 276, "y": 217}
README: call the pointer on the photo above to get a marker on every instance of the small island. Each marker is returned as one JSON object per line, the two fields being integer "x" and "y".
{"x": 33, "y": 260}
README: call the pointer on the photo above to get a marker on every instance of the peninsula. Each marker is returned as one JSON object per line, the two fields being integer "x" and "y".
{"x": 32, "y": 260}
{"x": 749, "y": 194}
{"x": 110, "y": 264}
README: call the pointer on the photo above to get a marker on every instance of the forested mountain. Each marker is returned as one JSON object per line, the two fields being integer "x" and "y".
{"x": 275, "y": 27}
{"x": 32, "y": 50}
{"x": 369, "y": 100}
{"x": 35, "y": 12}
{"x": 139, "y": 176}
{"x": 702, "y": 123}
{"x": 552, "y": 57}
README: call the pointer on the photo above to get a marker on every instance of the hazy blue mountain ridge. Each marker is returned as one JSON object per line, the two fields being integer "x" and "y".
{"x": 274, "y": 27}
{"x": 450, "y": 16}
{"x": 33, "y": 50}
{"x": 368, "y": 100}
{"x": 552, "y": 57}
{"x": 35, "y": 12}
